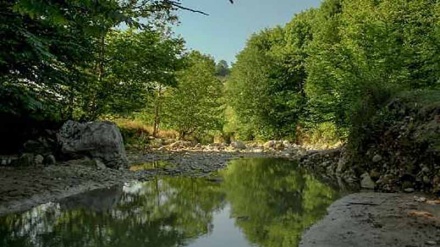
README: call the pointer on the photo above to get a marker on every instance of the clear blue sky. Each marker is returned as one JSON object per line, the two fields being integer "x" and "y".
{"x": 225, "y": 31}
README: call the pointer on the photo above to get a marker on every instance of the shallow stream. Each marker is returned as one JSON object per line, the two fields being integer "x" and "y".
{"x": 254, "y": 202}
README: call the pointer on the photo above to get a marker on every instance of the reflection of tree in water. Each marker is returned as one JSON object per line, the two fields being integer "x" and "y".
{"x": 164, "y": 212}
{"x": 273, "y": 202}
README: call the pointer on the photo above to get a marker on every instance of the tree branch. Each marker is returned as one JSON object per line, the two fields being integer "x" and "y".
{"x": 179, "y": 6}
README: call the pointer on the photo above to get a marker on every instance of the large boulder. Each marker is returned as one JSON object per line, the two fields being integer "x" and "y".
{"x": 98, "y": 140}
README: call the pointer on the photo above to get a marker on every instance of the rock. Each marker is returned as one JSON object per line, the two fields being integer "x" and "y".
{"x": 419, "y": 199}
{"x": 38, "y": 159}
{"x": 377, "y": 158}
{"x": 26, "y": 159}
{"x": 99, "y": 140}
{"x": 156, "y": 142}
{"x": 430, "y": 242}
{"x": 163, "y": 148}
{"x": 238, "y": 145}
{"x": 99, "y": 164}
{"x": 426, "y": 180}
{"x": 180, "y": 144}
{"x": 342, "y": 165}
{"x": 367, "y": 182}
{"x": 425, "y": 169}
{"x": 409, "y": 190}
{"x": 50, "y": 160}
{"x": 279, "y": 146}
{"x": 375, "y": 175}
{"x": 269, "y": 144}
{"x": 8, "y": 160}
{"x": 36, "y": 146}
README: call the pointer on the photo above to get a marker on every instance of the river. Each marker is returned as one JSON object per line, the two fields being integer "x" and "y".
{"x": 253, "y": 202}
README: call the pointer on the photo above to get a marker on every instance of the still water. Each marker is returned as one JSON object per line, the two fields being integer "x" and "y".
{"x": 259, "y": 202}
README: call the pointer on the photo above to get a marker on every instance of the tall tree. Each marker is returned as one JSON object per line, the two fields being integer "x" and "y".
{"x": 266, "y": 88}
{"x": 194, "y": 107}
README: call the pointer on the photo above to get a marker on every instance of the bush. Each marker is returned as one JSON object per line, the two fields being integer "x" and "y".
{"x": 323, "y": 134}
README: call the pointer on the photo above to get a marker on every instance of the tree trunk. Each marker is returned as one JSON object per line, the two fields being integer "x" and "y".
{"x": 157, "y": 108}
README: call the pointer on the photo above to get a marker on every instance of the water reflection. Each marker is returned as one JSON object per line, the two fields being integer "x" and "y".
{"x": 151, "y": 166}
{"x": 272, "y": 202}
{"x": 261, "y": 202}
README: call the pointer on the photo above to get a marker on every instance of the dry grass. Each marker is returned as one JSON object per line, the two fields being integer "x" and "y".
{"x": 142, "y": 129}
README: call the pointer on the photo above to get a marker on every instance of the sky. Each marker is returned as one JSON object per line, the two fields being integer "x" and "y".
{"x": 225, "y": 31}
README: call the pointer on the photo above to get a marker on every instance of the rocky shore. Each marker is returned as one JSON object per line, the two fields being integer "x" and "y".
{"x": 25, "y": 187}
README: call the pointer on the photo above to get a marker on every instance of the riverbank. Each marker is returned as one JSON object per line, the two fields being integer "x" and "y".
{"x": 377, "y": 219}
{"x": 25, "y": 187}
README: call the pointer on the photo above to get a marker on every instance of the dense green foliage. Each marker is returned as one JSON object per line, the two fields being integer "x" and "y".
{"x": 194, "y": 106}
{"x": 54, "y": 58}
{"x": 321, "y": 76}
{"x": 337, "y": 64}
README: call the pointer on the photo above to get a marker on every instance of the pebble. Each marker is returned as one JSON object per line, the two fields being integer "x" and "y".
{"x": 430, "y": 242}
{"x": 409, "y": 190}
{"x": 419, "y": 199}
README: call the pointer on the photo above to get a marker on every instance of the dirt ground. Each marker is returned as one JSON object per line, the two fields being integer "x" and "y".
{"x": 379, "y": 220}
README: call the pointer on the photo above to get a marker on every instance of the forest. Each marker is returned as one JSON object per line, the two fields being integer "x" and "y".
{"x": 320, "y": 77}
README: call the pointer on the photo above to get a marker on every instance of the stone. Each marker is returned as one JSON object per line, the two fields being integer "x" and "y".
{"x": 180, "y": 144}
{"x": 279, "y": 146}
{"x": 377, "y": 158}
{"x": 269, "y": 144}
{"x": 431, "y": 242}
{"x": 50, "y": 160}
{"x": 374, "y": 174}
{"x": 38, "y": 159}
{"x": 409, "y": 190}
{"x": 238, "y": 145}
{"x": 99, "y": 164}
{"x": 367, "y": 182}
{"x": 99, "y": 140}
{"x": 426, "y": 180}
{"x": 342, "y": 165}
{"x": 36, "y": 146}
{"x": 419, "y": 199}
{"x": 156, "y": 142}
{"x": 26, "y": 159}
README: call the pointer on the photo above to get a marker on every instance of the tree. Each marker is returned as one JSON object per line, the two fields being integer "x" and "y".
{"x": 365, "y": 51}
{"x": 194, "y": 107}
{"x": 137, "y": 62}
{"x": 266, "y": 88}
{"x": 52, "y": 49}
{"x": 222, "y": 69}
